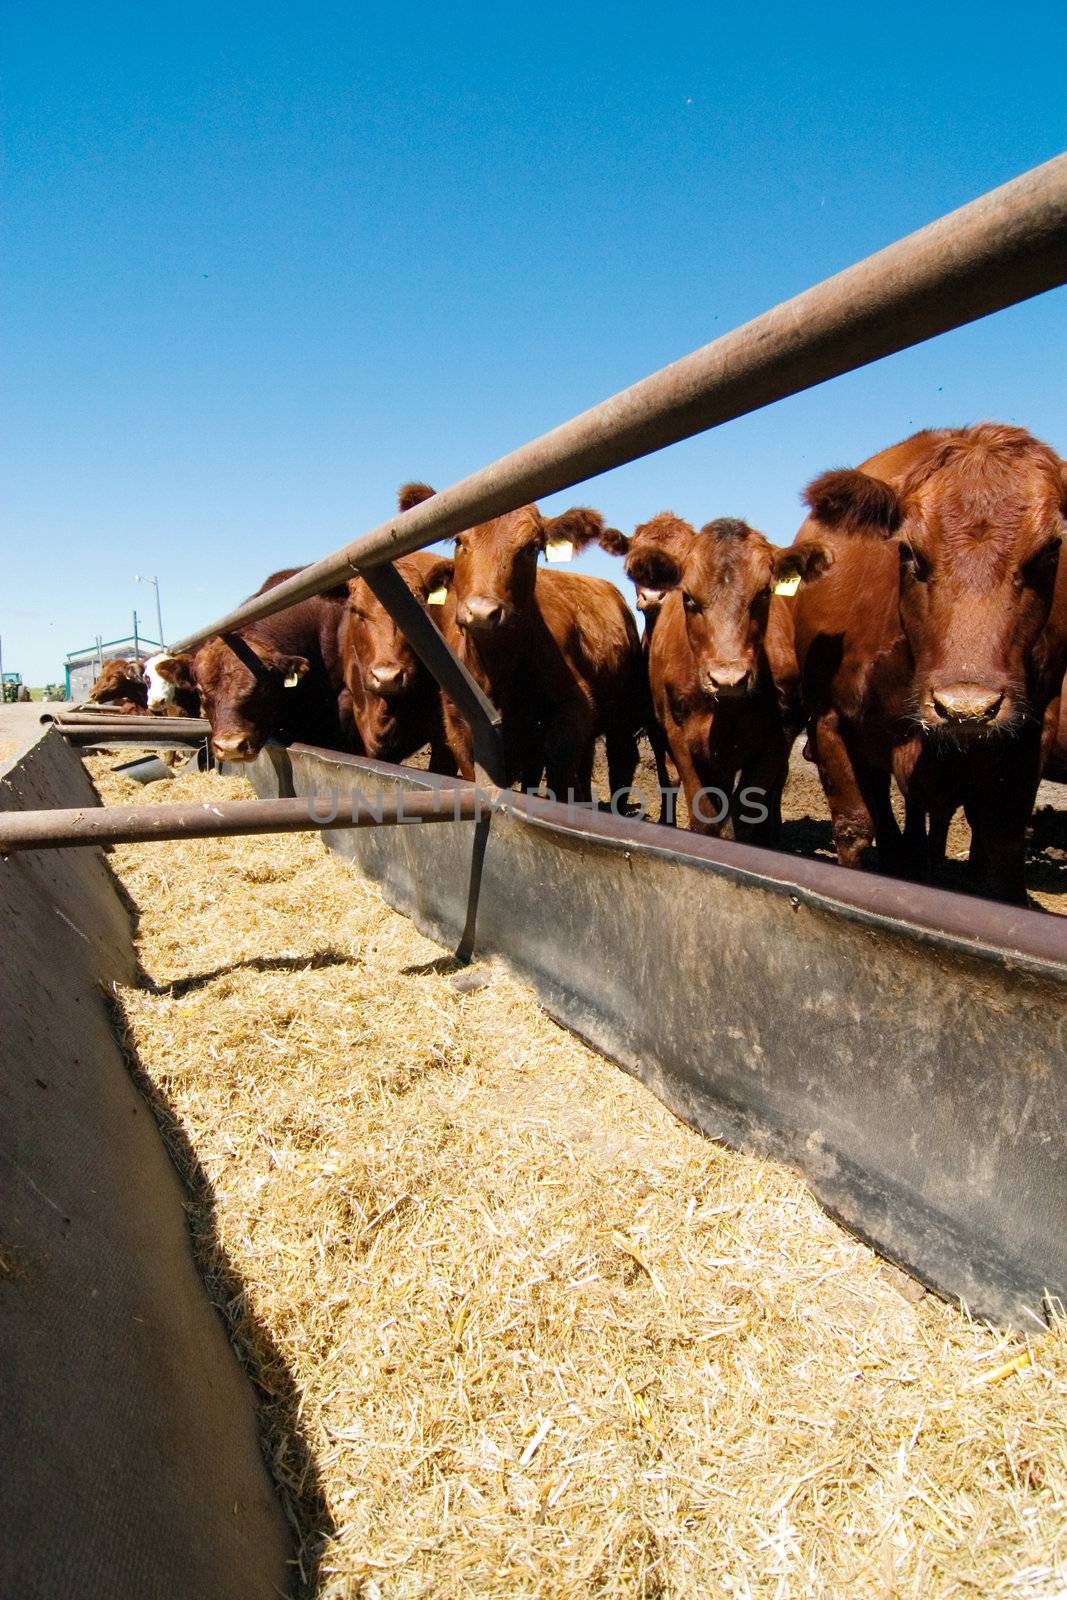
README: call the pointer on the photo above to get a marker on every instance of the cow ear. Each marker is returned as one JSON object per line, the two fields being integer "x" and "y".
{"x": 578, "y": 527}
{"x": 437, "y": 580}
{"x": 855, "y": 503}
{"x": 651, "y": 567}
{"x": 177, "y": 670}
{"x": 292, "y": 668}
{"x": 801, "y": 563}
{"x": 413, "y": 494}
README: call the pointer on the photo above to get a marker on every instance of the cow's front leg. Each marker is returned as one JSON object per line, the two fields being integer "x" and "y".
{"x": 568, "y": 743}
{"x": 762, "y": 782}
{"x": 459, "y": 738}
{"x": 850, "y": 816}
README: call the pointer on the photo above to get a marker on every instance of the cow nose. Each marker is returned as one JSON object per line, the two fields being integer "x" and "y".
{"x": 649, "y": 599}
{"x": 386, "y": 680}
{"x": 232, "y": 747}
{"x": 967, "y": 702}
{"x": 479, "y": 614}
{"x": 728, "y": 677}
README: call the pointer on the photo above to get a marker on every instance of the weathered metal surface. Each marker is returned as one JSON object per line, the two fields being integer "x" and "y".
{"x": 63, "y": 829}
{"x": 190, "y": 727}
{"x": 130, "y": 1459}
{"x": 1002, "y": 248}
{"x": 904, "y": 1048}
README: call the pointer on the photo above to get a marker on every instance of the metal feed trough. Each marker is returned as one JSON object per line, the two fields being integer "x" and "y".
{"x": 903, "y": 1047}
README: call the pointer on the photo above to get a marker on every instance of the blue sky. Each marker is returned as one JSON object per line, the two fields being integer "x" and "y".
{"x": 263, "y": 263}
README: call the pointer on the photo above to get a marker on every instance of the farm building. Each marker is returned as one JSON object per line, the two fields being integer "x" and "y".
{"x": 82, "y": 667}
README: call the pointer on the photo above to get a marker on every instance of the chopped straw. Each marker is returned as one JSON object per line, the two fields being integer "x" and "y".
{"x": 513, "y": 1329}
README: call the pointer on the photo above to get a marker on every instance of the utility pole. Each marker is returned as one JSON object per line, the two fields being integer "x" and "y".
{"x": 159, "y": 614}
{"x": 136, "y": 642}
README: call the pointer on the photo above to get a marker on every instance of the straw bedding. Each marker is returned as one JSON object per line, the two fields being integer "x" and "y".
{"x": 516, "y": 1331}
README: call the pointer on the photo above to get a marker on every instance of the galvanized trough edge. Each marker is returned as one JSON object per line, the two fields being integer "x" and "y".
{"x": 903, "y": 1048}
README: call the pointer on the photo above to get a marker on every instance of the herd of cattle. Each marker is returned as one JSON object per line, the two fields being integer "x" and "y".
{"x": 916, "y": 629}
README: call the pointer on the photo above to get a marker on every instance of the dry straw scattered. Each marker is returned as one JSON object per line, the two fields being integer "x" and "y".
{"x": 514, "y": 1330}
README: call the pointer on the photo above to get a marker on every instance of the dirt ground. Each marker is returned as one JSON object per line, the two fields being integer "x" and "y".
{"x": 806, "y": 828}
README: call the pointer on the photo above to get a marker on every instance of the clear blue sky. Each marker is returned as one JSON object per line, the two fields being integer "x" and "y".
{"x": 265, "y": 262}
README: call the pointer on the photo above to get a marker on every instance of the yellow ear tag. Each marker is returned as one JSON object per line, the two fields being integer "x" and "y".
{"x": 788, "y": 585}
{"x": 559, "y": 549}
{"x": 292, "y": 680}
{"x": 437, "y": 597}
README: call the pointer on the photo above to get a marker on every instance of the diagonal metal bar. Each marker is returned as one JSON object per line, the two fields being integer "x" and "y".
{"x": 437, "y": 656}
{"x": 1004, "y": 247}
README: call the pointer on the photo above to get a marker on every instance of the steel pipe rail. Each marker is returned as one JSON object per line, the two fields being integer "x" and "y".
{"x": 147, "y": 724}
{"x": 168, "y": 729}
{"x": 209, "y": 819}
{"x": 1004, "y": 247}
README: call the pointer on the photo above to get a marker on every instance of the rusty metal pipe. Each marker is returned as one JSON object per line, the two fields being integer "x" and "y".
{"x": 146, "y": 724}
{"x": 219, "y": 819}
{"x": 166, "y": 729}
{"x": 1004, "y": 247}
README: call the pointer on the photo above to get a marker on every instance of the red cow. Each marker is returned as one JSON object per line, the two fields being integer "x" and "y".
{"x": 556, "y": 652}
{"x": 395, "y": 702}
{"x": 722, "y": 668}
{"x": 1054, "y": 750}
{"x": 120, "y": 686}
{"x": 281, "y": 677}
{"x": 672, "y": 536}
{"x": 933, "y": 647}
{"x": 171, "y": 684}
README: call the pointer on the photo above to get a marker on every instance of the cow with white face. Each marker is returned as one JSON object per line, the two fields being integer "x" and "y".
{"x": 171, "y": 685}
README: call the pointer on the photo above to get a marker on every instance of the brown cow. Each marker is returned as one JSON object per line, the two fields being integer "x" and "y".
{"x": 556, "y": 652}
{"x": 1054, "y": 751}
{"x": 722, "y": 668}
{"x": 670, "y": 535}
{"x": 171, "y": 684}
{"x": 281, "y": 677}
{"x": 395, "y": 702}
{"x": 935, "y": 643}
{"x": 120, "y": 686}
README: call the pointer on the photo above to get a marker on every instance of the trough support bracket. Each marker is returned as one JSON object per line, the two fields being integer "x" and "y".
{"x": 439, "y": 659}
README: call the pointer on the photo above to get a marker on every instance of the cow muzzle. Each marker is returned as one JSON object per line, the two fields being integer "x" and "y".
{"x": 966, "y": 705}
{"x": 649, "y": 599}
{"x": 389, "y": 682}
{"x": 234, "y": 747}
{"x": 480, "y": 614}
{"x": 727, "y": 680}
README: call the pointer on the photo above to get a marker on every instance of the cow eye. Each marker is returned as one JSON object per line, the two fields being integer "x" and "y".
{"x": 691, "y": 605}
{"x": 1039, "y": 567}
{"x": 914, "y": 563}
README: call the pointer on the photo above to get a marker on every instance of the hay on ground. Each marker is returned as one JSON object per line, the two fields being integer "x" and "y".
{"x": 514, "y": 1329}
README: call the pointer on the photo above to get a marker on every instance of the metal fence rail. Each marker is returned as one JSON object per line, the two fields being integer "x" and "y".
{"x": 1006, "y": 246}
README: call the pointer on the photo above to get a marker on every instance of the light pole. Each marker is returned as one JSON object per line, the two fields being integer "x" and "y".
{"x": 159, "y": 615}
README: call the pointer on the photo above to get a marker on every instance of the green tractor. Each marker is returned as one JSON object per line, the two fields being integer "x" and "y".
{"x": 14, "y": 688}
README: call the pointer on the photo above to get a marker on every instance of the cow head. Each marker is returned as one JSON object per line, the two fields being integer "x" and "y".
{"x": 496, "y": 562}
{"x": 244, "y": 685}
{"x": 664, "y": 536}
{"x": 165, "y": 675}
{"x": 375, "y": 647}
{"x": 725, "y": 575}
{"x": 978, "y": 526}
{"x": 118, "y": 681}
